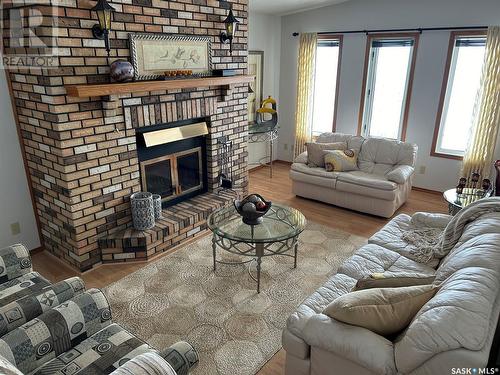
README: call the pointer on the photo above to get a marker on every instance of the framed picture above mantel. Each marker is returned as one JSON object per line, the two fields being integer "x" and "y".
{"x": 153, "y": 55}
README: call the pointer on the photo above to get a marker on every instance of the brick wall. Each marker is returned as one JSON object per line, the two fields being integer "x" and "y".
{"x": 81, "y": 153}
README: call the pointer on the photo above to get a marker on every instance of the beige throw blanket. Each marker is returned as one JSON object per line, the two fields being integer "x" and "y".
{"x": 436, "y": 242}
{"x": 455, "y": 228}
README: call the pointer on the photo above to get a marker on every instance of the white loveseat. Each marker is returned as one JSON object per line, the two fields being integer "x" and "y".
{"x": 380, "y": 186}
{"x": 455, "y": 329}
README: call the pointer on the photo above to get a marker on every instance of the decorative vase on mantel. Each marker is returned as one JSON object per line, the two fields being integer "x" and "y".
{"x": 143, "y": 211}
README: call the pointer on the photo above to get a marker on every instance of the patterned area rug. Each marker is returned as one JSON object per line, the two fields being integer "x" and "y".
{"x": 235, "y": 330}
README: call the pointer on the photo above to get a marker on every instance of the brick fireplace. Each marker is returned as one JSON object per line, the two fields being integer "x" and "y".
{"x": 81, "y": 153}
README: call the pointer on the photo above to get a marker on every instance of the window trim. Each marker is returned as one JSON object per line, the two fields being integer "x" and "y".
{"x": 444, "y": 87}
{"x": 409, "y": 88}
{"x": 340, "y": 39}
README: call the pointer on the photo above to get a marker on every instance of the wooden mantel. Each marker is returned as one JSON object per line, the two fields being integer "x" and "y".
{"x": 85, "y": 91}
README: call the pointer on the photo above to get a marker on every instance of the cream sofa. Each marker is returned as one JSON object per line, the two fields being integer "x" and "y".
{"x": 380, "y": 186}
{"x": 455, "y": 329}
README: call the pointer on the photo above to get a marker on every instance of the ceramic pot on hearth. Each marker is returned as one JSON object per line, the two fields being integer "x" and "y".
{"x": 121, "y": 71}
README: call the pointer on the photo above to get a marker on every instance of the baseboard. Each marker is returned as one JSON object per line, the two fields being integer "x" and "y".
{"x": 36, "y": 250}
{"x": 424, "y": 190}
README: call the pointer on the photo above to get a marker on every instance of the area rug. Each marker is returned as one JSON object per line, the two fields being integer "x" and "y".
{"x": 234, "y": 329}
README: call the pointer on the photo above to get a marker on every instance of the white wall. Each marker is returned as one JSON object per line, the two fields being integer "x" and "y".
{"x": 265, "y": 35}
{"x": 15, "y": 201}
{"x": 385, "y": 14}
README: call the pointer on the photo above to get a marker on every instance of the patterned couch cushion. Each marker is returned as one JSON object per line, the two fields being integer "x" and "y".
{"x": 39, "y": 300}
{"x": 22, "y": 286}
{"x": 56, "y": 331}
{"x": 102, "y": 353}
{"x": 14, "y": 261}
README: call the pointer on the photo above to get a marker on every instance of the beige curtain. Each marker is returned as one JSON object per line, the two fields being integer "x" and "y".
{"x": 480, "y": 151}
{"x": 305, "y": 90}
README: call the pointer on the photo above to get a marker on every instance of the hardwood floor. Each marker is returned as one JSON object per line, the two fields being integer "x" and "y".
{"x": 277, "y": 189}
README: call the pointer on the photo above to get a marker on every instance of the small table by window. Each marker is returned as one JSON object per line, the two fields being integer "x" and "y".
{"x": 458, "y": 201}
{"x": 278, "y": 234}
{"x": 264, "y": 133}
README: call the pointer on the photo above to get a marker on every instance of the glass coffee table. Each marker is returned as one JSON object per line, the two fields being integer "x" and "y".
{"x": 278, "y": 234}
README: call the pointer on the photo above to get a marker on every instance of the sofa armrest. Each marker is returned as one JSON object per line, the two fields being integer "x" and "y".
{"x": 356, "y": 344}
{"x": 430, "y": 220}
{"x": 56, "y": 331}
{"x": 181, "y": 356}
{"x": 302, "y": 158}
{"x": 146, "y": 364}
{"x": 15, "y": 261}
{"x": 400, "y": 174}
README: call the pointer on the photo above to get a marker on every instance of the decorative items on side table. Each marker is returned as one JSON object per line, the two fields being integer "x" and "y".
{"x": 468, "y": 191}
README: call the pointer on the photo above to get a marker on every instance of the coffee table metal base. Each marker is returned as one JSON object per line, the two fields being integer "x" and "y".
{"x": 256, "y": 251}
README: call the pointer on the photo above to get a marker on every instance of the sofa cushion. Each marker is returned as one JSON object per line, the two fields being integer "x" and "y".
{"x": 22, "y": 286}
{"x": 367, "y": 180}
{"x": 56, "y": 331}
{"x": 34, "y": 300}
{"x": 391, "y": 237}
{"x": 380, "y": 155}
{"x": 312, "y": 175}
{"x": 316, "y": 152}
{"x": 101, "y": 353}
{"x": 457, "y": 317}
{"x": 390, "y": 279}
{"x": 385, "y": 311}
{"x": 376, "y": 259}
{"x": 482, "y": 251}
{"x": 353, "y": 141}
{"x": 341, "y": 160}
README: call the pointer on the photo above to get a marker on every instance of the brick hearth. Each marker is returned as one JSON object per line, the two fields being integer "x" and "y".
{"x": 81, "y": 152}
{"x": 179, "y": 223}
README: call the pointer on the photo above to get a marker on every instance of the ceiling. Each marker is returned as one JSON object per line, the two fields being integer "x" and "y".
{"x": 288, "y": 6}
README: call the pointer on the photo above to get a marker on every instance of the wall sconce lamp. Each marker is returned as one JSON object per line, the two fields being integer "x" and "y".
{"x": 101, "y": 30}
{"x": 231, "y": 24}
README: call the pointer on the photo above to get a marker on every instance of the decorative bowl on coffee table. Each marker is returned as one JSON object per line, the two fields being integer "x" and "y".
{"x": 252, "y": 208}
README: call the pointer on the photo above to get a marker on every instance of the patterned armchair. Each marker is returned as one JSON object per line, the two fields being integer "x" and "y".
{"x": 64, "y": 329}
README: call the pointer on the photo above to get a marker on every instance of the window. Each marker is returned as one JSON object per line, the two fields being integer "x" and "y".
{"x": 326, "y": 84}
{"x": 387, "y": 84}
{"x": 458, "y": 95}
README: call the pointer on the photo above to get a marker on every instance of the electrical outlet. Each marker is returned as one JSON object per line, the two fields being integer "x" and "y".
{"x": 15, "y": 228}
{"x": 421, "y": 170}
{"x": 285, "y": 146}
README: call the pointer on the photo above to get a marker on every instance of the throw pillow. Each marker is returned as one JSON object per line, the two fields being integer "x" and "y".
{"x": 316, "y": 152}
{"x": 385, "y": 311}
{"x": 341, "y": 161}
{"x": 393, "y": 280}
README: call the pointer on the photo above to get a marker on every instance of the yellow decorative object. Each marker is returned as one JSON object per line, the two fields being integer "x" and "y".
{"x": 481, "y": 149}
{"x": 305, "y": 90}
{"x": 264, "y": 109}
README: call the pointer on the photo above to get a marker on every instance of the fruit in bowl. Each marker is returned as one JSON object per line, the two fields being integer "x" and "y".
{"x": 252, "y": 208}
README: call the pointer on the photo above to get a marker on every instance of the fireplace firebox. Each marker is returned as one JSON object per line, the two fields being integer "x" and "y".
{"x": 173, "y": 160}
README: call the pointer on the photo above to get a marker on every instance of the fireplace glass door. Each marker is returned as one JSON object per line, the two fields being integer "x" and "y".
{"x": 174, "y": 175}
